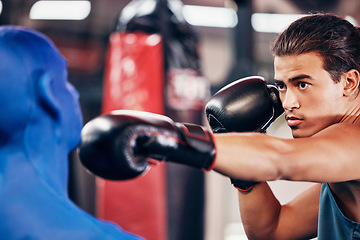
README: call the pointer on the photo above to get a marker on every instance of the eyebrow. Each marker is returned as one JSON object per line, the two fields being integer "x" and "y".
{"x": 296, "y": 78}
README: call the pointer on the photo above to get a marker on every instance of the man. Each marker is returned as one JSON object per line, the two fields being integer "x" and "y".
{"x": 317, "y": 64}
{"x": 40, "y": 123}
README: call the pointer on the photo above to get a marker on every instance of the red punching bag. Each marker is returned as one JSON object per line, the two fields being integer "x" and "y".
{"x": 134, "y": 80}
{"x": 152, "y": 65}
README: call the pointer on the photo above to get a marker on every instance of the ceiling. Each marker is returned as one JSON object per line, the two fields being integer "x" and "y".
{"x": 105, "y": 12}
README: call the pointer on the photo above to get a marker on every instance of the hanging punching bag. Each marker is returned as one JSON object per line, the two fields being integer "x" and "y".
{"x": 153, "y": 65}
{"x": 186, "y": 93}
{"x": 134, "y": 80}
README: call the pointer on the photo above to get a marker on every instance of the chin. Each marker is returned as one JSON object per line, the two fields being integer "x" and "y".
{"x": 299, "y": 133}
{"x": 298, "y": 136}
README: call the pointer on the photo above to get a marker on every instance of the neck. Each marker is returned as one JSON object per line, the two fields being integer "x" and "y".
{"x": 352, "y": 115}
{"x": 49, "y": 162}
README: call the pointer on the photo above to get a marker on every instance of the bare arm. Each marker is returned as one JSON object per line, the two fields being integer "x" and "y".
{"x": 264, "y": 218}
{"x": 332, "y": 155}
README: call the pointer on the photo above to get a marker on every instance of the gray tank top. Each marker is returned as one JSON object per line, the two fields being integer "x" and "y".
{"x": 332, "y": 223}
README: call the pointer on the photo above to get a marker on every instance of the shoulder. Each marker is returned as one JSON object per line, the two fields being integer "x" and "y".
{"x": 340, "y": 130}
{"x": 331, "y": 155}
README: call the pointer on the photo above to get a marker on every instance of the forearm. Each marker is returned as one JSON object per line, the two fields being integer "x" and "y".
{"x": 259, "y": 211}
{"x": 264, "y": 218}
{"x": 250, "y": 156}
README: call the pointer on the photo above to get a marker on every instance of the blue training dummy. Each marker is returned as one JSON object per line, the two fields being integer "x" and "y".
{"x": 40, "y": 123}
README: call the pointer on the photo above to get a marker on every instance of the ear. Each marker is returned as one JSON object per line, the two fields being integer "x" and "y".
{"x": 351, "y": 82}
{"x": 46, "y": 96}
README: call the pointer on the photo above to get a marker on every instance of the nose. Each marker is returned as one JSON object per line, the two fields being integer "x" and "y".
{"x": 290, "y": 100}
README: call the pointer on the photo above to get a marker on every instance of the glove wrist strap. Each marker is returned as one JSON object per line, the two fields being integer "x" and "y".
{"x": 242, "y": 186}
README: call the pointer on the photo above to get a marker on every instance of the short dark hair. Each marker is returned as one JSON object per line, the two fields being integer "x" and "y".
{"x": 335, "y": 39}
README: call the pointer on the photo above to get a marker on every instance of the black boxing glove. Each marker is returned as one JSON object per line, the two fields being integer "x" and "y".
{"x": 246, "y": 105}
{"x": 117, "y": 146}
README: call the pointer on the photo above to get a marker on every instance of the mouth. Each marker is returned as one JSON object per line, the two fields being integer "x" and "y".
{"x": 293, "y": 121}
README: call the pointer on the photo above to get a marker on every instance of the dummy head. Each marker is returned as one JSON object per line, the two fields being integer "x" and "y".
{"x": 35, "y": 97}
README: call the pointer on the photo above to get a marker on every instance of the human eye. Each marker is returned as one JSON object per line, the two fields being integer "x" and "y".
{"x": 302, "y": 85}
{"x": 280, "y": 86}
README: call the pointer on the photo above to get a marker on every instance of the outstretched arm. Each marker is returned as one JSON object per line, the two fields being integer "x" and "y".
{"x": 328, "y": 156}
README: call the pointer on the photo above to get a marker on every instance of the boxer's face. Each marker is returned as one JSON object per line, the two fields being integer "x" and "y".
{"x": 311, "y": 99}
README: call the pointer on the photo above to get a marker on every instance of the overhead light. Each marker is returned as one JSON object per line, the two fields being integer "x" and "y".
{"x": 60, "y": 10}
{"x": 210, "y": 16}
{"x": 1, "y": 7}
{"x": 277, "y": 23}
{"x": 352, "y": 20}
{"x": 272, "y": 23}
